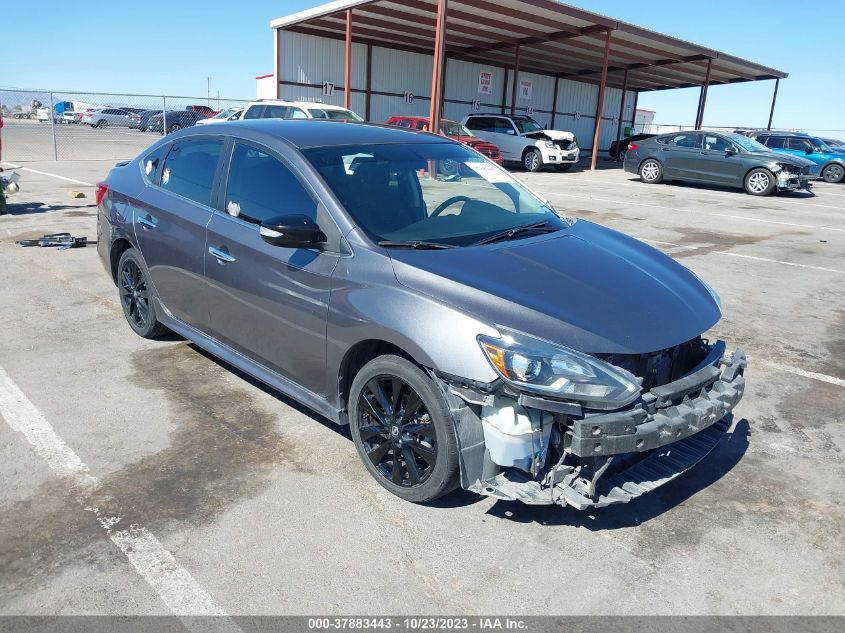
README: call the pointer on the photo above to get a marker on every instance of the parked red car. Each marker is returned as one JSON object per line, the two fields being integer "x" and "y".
{"x": 202, "y": 109}
{"x": 453, "y": 130}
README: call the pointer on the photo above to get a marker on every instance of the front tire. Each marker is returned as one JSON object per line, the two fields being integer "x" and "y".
{"x": 532, "y": 160}
{"x": 403, "y": 430}
{"x": 102, "y": 124}
{"x": 136, "y": 295}
{"x": 760, "y": 182}
{"x": 833, "y": 173}
{"x": 651, "y": 172}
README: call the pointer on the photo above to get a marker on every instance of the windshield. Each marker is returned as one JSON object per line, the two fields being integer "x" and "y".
{"x": 334, "y": 115}
{"x": 225, "y": 114}
{"x": 817, "y": 142}
{"x": 525, "y": 124}
{"x": 453, "y": 128}
{"x": 747, "y": 143}
{"x": 428, "y": 192}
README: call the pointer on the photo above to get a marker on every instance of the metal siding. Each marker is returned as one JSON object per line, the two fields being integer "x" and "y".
{"x": 401, "y": 71}
{"x": 462, "y": 85}
{"x": 315, "y": 60}
{"x": 384, "y": 107}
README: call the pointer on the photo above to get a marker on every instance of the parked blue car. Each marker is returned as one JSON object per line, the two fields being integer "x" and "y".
{"x": 831, "y": 161}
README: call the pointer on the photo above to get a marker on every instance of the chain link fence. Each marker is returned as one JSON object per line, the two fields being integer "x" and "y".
{"x": 65, "y": 125}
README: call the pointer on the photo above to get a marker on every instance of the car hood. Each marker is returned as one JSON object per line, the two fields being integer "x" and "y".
{"x": 587, "y": 287}
{"x": 555, "y": 135}
{"x": 783, "y": 157}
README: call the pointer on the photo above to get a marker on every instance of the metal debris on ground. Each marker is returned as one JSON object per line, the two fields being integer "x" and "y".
{"x": 63, "y": 240}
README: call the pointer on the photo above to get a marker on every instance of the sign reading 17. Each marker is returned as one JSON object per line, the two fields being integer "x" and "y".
{"x": 328, "y": 88}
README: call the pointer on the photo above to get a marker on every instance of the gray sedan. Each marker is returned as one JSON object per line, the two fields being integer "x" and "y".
{"x": 403, "y": 284}
{"x": 716, "y": 158}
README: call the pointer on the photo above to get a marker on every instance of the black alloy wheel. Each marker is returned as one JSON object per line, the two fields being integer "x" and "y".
{"x": 396, "y": 431}
{"x": 136, "y": 296}
{"x": 403, "y": 430}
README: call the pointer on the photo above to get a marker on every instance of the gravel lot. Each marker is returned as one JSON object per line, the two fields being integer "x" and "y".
{"x": 267, "y": 509}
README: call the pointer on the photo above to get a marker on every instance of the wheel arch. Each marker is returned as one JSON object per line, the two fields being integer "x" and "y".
{"x": 118, "y": 248}
{"x": 357, "y": 357}
{"x": 828, "y": 164}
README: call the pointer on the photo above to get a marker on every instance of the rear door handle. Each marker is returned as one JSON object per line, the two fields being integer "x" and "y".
{"x": 148, "y": 222}
{"x": 221, "y": 256}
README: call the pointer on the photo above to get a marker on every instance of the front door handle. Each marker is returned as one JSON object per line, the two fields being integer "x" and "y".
{"x": 147, "y": 222}
{"x": 221, "y": 256}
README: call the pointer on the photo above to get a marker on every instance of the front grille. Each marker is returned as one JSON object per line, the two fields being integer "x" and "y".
{"x": 663, "y": 366}
{"x": 490, "y": 153}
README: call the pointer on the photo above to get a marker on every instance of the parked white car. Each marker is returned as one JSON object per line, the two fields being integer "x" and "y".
{"x": 232, "y": 114}
{"x": 523, "y": 140}
{"x": 274, "y": 109}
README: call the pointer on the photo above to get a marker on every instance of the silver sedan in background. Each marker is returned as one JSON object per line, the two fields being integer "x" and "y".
{"x": 108, "y": 117}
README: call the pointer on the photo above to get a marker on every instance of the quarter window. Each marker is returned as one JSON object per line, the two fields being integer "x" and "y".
{"x": 189, "y": 169}
{"x": 261, "y": 187}
{"x": 152, "y": 164}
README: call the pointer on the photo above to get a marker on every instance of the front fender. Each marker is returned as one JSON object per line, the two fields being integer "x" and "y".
{"x": 368, "y": 304}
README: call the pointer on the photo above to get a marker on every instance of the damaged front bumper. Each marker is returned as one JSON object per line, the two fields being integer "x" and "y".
{"x": 603, "y": 458}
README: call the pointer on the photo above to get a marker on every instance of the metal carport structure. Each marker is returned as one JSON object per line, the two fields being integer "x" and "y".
{"x": 545, "y": 39}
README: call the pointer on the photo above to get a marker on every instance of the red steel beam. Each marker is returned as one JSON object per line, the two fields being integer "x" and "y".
{"x": 347, "y": 69}
{"x": 600, "y": 105}
{"x": 699, "y": 120}
{"x": 515, "y": 79}
{"x": 774, "y": 100}
{"x": 437, "y": 67}
{"x": 277, "y": 67}
{"x": 622, "y": 109}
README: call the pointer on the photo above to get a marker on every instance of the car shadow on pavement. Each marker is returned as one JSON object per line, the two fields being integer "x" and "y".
{"x": 342, "y": 430}
{"x": 30, "y": 208}
{"x": 710, "y": 470}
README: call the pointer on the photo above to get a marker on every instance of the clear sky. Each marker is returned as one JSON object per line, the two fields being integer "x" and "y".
{"x": 159, "y": 46}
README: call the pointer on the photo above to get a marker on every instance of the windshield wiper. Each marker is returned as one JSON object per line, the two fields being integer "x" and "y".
{"x": 512, "y": 233}
{"x": 416, "y": 244}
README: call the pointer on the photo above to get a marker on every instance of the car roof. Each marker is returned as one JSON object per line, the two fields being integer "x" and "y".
{"x": 299, "y": 104}
{"x": 308, "y": 133}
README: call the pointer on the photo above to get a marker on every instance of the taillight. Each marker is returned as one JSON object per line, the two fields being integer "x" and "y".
{"x": 632, "y": 147}
{"x": 100, "y": 193}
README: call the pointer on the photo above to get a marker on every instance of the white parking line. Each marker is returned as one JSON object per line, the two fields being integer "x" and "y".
{"x": 777, "y": 261}
{"x": 697, "y": 212}
{"x": 175, "y": 586}
{"x": 46, "y": 173}
{"x": 833, "y": 380}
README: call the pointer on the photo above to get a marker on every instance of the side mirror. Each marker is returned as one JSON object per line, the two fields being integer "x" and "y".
{"x": 731, "y": 151}
{"x": 812, "y": 150}
{"x": 292, "y": 231}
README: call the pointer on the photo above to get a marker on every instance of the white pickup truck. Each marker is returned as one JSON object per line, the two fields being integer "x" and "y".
{"x": 523, "y": 140}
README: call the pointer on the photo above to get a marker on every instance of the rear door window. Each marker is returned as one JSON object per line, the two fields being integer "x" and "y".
{"x": 687, "y": 140}
{"x": 261, "y": 187}
{"x": 276, "y": 112}
{"x": 190, "y": 168}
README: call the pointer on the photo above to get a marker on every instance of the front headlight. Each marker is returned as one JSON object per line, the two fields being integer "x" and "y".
{"x": 536, "y": 365}
{"x": 550, "y": 145}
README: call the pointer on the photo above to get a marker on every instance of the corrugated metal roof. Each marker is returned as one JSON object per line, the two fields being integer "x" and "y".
{"x": 554, "y": 39}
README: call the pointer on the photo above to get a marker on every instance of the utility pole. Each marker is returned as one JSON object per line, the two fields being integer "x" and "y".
{"x": 208, "y": 89}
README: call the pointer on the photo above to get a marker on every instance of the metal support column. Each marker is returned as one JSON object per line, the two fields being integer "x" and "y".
{"x": 600, "y": 105}
{"x": 554, "y": 102}
{"x": 634, "y": 113}
{"x": 437, "y": 67}
{"x": 164, "y": 115}
{"x": 505, "y": 92}
{"x": 702, "y": 101}
{"x": 277, "y": 67}
{"x": 622, "y": 108}
{"x": 774, "y": 100}
{"x": 369, "y": 103}
{"x": 347, "y": 68}
{"x": 53, "y": 127}
{"x": 515, "y": 85}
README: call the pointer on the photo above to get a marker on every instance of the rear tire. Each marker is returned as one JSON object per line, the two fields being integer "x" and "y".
{"x": 833, "y": 173}
{"x": 136, "y": 295}
{"x": 102, "y": 124}
{"x": 400, "y": 423}
{"x": 760, "y": 182}
{"x": 532, "y": 160}
{"x": 651, "y": 172}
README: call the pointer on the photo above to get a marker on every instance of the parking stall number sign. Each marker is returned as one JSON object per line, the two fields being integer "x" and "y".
{"x": 409, "y": 97}
{"x": 530, "y": 110}
{"x": 476, "y": 105}
{"x": 526, "y": 87}
{"x": 328, "y": 89}
{"x": 485, "y": 82}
